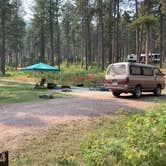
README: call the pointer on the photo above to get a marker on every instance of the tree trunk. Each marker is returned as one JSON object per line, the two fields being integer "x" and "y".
{"x": 42, "y": 44}
{"x": 51, "y": 33}
{"x": 141, "y": 40}
{"x": 85, "y": 15}
{"x": 57, "y": 34}
{"x": 16, "y": 57}
{"x": 114, "y": 33}
{"x": 161, "y": 38}
{"x": 2, "y": 42}
{"x": 147, "y": 43}
{"x": 137, "y": 34}
{"x": 147, "y": 10}
{"x": 89, "y": 40}
{"x": 100, "y": 35}
{"x": 82, "y": 33}
{"x": 110, "y": 31}
{"x": 117, "y": 32}
{"x": 150, "y": 44}
{"x": 126, "y": 51}
{"x": 58, "y": 45}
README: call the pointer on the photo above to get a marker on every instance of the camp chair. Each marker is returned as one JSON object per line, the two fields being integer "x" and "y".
{"x": 41, "y": 83}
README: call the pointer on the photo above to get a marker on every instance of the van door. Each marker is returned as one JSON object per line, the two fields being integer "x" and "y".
{"x": 135, "y": 76}
{"x": 149, "y": 79}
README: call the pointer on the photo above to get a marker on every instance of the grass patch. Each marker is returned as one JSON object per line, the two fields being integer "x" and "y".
{"x": 22, "y": 93}
{"x": 59, "y": 145}
{"x": 126, "y": 139}
{"x": 18, "y": 75}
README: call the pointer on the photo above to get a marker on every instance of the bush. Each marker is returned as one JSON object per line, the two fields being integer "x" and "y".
{"x": 142, "y": 141}
{"x": 146, "y": 138}
{"x": 77, "y": 75}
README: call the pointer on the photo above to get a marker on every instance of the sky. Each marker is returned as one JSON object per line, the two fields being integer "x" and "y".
{"x": 27, "y": 5}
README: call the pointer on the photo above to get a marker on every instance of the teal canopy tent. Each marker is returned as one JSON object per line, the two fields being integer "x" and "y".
{"x": 40, "y": 67}
{"x": 43, "y": 68}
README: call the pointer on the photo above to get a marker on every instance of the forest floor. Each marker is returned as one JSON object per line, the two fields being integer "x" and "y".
{"x": 21, "y": 119}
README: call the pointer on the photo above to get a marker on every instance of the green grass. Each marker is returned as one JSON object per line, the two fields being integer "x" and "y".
{"x": 59, "y": 145}
{"x": 22, "y": 93}
{"x": 125, "y": 139}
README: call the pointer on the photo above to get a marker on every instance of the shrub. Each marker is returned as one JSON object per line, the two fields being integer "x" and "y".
{"x": 142, "y": 141}
{"x": 146, "y": 138}
{"x": 77, "y": 75}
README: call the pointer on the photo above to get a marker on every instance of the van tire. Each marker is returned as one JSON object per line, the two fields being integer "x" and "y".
{"x": 116, "y": 93}
{"x": 157, "y": 91}
{"x": 137, "y": 92}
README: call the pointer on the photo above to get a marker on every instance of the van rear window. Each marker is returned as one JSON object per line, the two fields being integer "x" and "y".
{"x": 117, "y": 70}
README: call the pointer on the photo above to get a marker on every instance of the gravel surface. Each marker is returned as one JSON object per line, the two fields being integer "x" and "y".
{"x": 18, "y": 120}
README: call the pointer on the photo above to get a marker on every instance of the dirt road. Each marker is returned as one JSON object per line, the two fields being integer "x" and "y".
{"x": 17, "y": 120}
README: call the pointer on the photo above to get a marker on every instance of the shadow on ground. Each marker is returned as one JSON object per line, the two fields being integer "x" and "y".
{"x": 145, "y": 97}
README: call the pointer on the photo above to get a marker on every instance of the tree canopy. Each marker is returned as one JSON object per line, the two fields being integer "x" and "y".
{"x": 84, "y": 32}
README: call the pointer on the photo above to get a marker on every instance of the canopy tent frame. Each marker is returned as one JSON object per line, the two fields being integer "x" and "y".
{"x": 42, "y": 67}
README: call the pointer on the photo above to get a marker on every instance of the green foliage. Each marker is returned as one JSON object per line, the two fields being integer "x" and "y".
{"x": 142, "y": 141}
{"x": 66, "y": 159}
{"x": 101, "y": 151}
{"x": 76, "y": 75}
{"x": 146, "y": 138}
{"x": 143, "y": 20}
{"x": 163, "y": 3}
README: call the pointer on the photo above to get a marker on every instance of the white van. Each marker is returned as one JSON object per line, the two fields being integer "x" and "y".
{"x": 134, "y": 78}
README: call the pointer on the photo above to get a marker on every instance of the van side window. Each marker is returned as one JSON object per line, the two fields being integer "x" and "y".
{"x": 147, "y": 71}
{"x": 135, "y": 70}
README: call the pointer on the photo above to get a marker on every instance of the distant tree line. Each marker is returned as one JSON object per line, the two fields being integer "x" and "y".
{"x": 86, "y": 32}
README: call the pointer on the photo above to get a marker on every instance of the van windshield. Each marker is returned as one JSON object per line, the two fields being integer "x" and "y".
{"x": 117, "y": 69}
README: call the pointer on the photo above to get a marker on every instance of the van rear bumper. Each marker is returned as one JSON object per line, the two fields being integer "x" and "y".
{"x": 121, "y": 88}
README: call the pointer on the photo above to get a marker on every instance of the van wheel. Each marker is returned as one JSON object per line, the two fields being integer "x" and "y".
{"x": 157, "y": 91}
{"x": 116, "y": 93}
{"x": 137, "y": 92}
